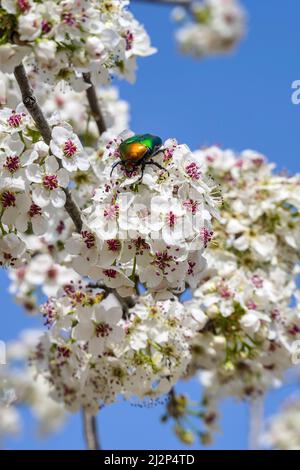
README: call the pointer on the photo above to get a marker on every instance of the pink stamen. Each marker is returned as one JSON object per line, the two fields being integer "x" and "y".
{"x": 113, "y": 245}
{"x": 15, "y": 119}
{"x": 257, "y": 281}
{"x": 193, "y": 170}
{"x": 34, "y": 210}
{"x": 12, "y": 163}
{"x": 50, "y": 182}
{"x": 7, "y": 199}
{"x": 206, "y": 236}
{"x": 129, "y": 40}
{"x": 23, "y": 5}
{"x": 89, "y": 239}
{"x": 171, "y": 219}
{"x": 69, "y": 148}
{"x": 102, "y": 330}
{"x": 111, "y": 273}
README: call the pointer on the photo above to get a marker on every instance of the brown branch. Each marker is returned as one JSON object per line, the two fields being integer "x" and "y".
{"x": 90, "y": 431}
{"x": 125, "y": 302}
{"x": 41, "y": 123}
{"x": 31, "y": 103}
{"x": 94, "y": 104}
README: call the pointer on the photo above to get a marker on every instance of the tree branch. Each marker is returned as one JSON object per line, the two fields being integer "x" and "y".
{"x": 31, "y": 103}
{"x": 90, "y": 431}
{"x": 125, "y": 302}
{"x": 41, "y": 123}
{"x": 94, "y": 104}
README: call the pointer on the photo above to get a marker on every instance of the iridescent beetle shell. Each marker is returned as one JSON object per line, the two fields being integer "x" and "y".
{"x": 136, "y": 148}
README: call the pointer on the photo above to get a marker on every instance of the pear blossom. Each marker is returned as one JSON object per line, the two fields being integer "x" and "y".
{"x": 66, "y": 146}
{"x": 12, "y": 249}
{"x": 10, "y": 422}
{"x": 14, "y": 157}
{"x": 141, "y": 353}
{"x": 65, "y": 39}
{"x": 115, "y": 322}
{"x": 22, "y": 387}
{"x": 11, "y": 56}
{"x": 13, "y": 121}
{"x": 145, "y": 227}
{"x": 103, "y": 330}
{"x": 49, "y": 182}
{"x": 248, "y": 293}
{"x": 210, "y": 27}
{"x": 34, "y": 217}
{"x": 282, "y": 430}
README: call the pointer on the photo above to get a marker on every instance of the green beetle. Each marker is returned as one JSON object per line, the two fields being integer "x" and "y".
{"x": 139, "y": 150}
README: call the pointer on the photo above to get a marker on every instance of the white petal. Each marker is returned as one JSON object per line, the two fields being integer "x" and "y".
{"x": 51, "y": 165}
{"x": 28, "y": 157}
{"x": 56, "y": 150}
{"x": 21, "y": 223}
{"x": 33, "y": 173}
{"x": 39, "y": 225}
{"x": 70, "y": 164}
{"x": 9, "y": 215}
{"x": 40, "y": 196}
{"x": 63, "y": 178}
{"x": 60, "y": 134}
{"x": 58, "y": 198}
{"x": 73, "y": 246}
{"x": 83, "y": 163}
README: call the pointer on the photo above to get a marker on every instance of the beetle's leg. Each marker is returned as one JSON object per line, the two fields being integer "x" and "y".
{"x": 114, "y": 166}
{"x": 142, "y": 171}
{"x": 161, "y": 149}
{"x": 151, "y": 162}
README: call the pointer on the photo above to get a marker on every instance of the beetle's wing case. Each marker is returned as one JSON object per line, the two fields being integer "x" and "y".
{"x": 133, "y": 151}
{"x": 137, "y": 147}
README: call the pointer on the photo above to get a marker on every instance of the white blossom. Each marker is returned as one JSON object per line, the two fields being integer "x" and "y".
{"x": 65, "y": 39}
{"x": 210, "y": 27}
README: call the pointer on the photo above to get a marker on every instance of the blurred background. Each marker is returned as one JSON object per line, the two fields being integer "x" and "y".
{"x": 241, "y": 100}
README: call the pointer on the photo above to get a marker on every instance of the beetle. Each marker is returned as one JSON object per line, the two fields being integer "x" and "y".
{"x": 139, "y": 150}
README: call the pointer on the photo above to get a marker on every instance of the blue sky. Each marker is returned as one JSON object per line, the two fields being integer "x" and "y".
{"x": 239, "y": 101}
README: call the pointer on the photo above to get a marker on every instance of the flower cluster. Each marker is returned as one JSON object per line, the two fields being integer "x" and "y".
{"x": 65, "y": 39}
{"x": 283, "y": 430}
{"x": 248, "y": 293}
{"x": 94, "y": 352}
{"x": 210, "y": 27}
{"x": 41, "y": 274}
{"x": 247, "y": 343}
{"x": 72, "y": 107}
{"x": 20, "y": 386}
{"x": 261, "y": 211}
{"x": 150, "y": 224}
{"x": 33, "y": 179}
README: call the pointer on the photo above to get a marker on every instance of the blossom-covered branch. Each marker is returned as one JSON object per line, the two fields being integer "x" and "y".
{"x": 31, "y": 103}
{"x": 248, "y": 295}
{"x": 36, "y": 113}
{"x": 63, "y": 39}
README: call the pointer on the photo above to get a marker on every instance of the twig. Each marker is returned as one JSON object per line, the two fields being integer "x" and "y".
{"x": 90, "y": 431}
{"x": 126, "y": 302}
{"x": 94, "y": 104}
{"x": 41, "y": 123}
